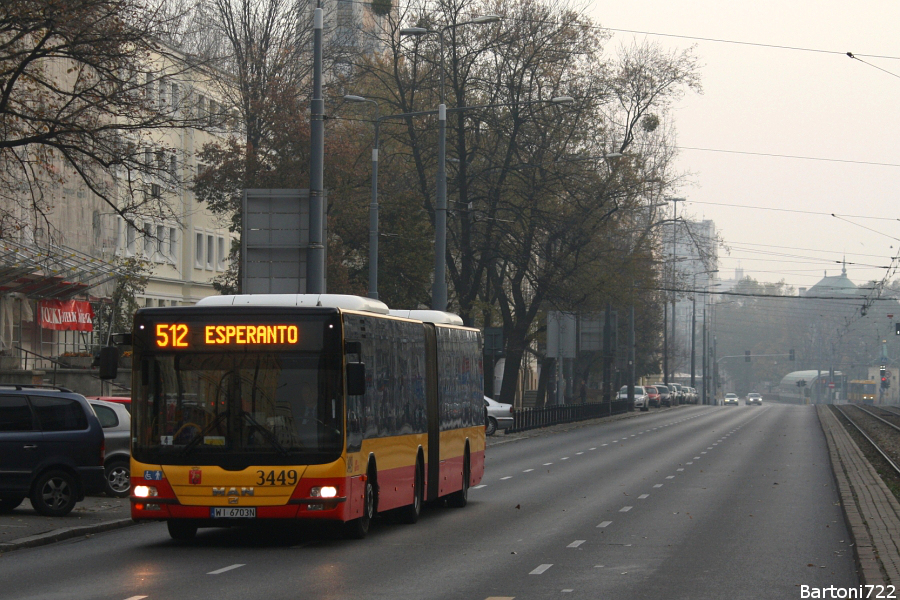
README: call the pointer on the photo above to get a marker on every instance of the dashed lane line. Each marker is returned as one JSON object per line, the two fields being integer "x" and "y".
{"x": 605, "y": 524}
{"x": 643, "y": 496}
{"x": 507, "y": 477}
{"x": 540, "y": 569}
{"x": 658, "y": 485}
{"x": 224, "y": 569}
{"x": 576, "y": 543}
{"x": 625, "y": 508}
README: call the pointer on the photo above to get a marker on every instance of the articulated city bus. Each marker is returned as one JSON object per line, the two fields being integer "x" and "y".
{"x": 248, "y": 408}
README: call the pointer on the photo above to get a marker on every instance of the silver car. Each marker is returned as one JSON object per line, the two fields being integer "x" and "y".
{"x": 641, "y": 398}
{"x": 497, "y": 416}
{"x": 116, "y": 422}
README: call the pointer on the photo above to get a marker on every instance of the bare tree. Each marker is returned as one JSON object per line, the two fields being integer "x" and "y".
{"x": 85, "y": 88}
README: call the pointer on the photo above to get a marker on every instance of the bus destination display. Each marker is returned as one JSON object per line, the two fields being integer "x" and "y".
{"x": 184, "y": 335}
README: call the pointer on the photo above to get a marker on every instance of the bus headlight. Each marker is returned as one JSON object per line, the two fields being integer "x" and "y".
{"x": 326, "y": 491}
{"x": 145, "y": 491}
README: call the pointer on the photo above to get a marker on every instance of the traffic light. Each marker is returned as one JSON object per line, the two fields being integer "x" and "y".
{"x": 882, "y": 371}
{"x": 746, "y": 356}
{"x": 885, "y": 382}
{"x": 792, "y": 352}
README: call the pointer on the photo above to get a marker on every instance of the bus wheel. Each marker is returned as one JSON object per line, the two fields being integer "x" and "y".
{"x": 182, "y": 531}
{"x": 461, "y": 498}
{"x": 358, "y": 528}
{"x": 410, "y": 514}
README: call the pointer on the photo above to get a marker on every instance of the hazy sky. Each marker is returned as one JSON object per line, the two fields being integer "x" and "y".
{"x": 804, "y": 98}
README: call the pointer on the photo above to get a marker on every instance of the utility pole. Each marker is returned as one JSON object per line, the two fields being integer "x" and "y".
{"x": 674, "y": 202}
{"x": 315, "y": 255}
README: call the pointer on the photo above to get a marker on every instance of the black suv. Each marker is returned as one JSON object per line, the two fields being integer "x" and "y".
{"x": 51, "y": 449}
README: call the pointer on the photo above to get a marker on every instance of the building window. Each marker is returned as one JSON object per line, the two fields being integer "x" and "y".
{"x": 220, "y": 253}
{"x": 149, "y": 242}
{"x": 130, "y": 239}
{"x": 160, "y": 241}
{"x": 198, "y": 250}
{"x": 210, "y": 252}
{"x": 173, "y": 244}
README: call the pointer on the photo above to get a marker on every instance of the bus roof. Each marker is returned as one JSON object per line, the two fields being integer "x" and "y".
{"x": 429, "y": 316}
{"x": 342, "y": 301}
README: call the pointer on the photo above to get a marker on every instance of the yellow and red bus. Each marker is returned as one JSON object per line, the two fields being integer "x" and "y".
{"x": 247, "y": 408}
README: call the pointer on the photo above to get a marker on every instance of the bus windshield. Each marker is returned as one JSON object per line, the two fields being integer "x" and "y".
{"x": 235, "y": 409}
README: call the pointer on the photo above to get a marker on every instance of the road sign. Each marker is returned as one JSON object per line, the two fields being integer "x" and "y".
{"x": 831, "y": 384}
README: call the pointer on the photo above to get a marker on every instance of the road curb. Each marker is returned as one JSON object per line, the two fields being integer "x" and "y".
{"x": 870, "y": 509}
{"x": 58, "y": 535}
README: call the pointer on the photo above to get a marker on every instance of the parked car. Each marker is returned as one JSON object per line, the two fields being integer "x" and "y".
{"x": 731, "y": 399}
{"x": 678, "y": 394}
{"x": 641, "y": 400}
{"x": 123, "y": 400}
{"x": 652, "y": 395}
{"x": 498, "y": 416}
{"x": 665, "y": 396}
{"x": 754, "y": 398}
{"x": 693, "y": 396}
{"x": 51, "y": 449}
{"x": 116, "y": 423}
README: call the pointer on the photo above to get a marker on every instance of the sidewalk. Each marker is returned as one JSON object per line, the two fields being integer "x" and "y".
{"x": 24, "y": 528}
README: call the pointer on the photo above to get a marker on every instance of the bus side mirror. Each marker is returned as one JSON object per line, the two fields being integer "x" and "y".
{"x": 109, "y": 362}
{"x": 356, "y": 379}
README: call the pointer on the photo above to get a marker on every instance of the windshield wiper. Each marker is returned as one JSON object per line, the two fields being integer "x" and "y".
{"x": 268, "y": 435}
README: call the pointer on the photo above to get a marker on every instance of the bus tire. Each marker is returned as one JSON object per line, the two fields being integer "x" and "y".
{"x": 461, "y": 498}
{"x": 410, "y": 514}
{"x": 358, "y": 528}
{"x": 182, "y": 531}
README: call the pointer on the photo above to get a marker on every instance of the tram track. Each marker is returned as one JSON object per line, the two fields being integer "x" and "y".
{"x": 878, "y": 438}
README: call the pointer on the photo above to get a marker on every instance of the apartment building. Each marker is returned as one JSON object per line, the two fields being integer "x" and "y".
{"x": 58, "y": 270}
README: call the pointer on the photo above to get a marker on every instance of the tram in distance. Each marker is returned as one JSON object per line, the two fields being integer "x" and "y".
{"x": 322, "y": 406}
{"x": 862, "y": 391}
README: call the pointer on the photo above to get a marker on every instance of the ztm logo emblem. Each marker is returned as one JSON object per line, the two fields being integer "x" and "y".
{"x": 194, "y": 476}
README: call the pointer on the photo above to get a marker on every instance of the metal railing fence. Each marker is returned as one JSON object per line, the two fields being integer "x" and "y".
{"x": 533, "y": 418}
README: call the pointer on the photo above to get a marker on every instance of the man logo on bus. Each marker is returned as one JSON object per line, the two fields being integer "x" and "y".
{"x": 194, "y": 476}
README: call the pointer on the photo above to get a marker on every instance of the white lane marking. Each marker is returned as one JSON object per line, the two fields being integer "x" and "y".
{"x": 547, "y": 464}
{"x": 625, "y": 508}
{"x": 507, "y": 477}
{"x": 632, "y": 435}
{"x": 576, "y": 543}
{"x": 224, "y": 569}
{"x": 689, "y": 463}
{"x": 605, "y": 524}
{"x": 591, "y": 448}
{"x": 136, "y": 598}
{"x": 528, "y": 470}
{"x": 703, "y": 453}
{"x": 679, "y": 469}
{"x": 540, "y": 569}
{"x": 670, "y": 477}
{"x": 658, "y": 485}
{"x": 577, "y": 453}
{"x": 604, "y": 444}
{"x": 696, "y": 458}
{"x": 710, "y": 448}
{"x": 643, "y": 496}
{"x": 566, "y": 591}
{"x": 564, "y": 458}
{"x": 478, "y": 487}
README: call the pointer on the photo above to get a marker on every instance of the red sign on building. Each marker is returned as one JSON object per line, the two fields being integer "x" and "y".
{"x": 73, "y": 315}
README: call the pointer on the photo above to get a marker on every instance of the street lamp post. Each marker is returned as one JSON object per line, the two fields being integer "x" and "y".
{"x": 439, "y": 289}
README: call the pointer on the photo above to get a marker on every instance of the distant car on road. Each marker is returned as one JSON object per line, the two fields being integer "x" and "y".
{"x": 499, "y": 416}
{"x": 731, "y": 399}
{"x": 754, "y": 398}
{"x": 116, "y": 423}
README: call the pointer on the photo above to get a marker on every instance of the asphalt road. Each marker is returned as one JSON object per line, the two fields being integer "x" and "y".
{"x": 699, "y": 502}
